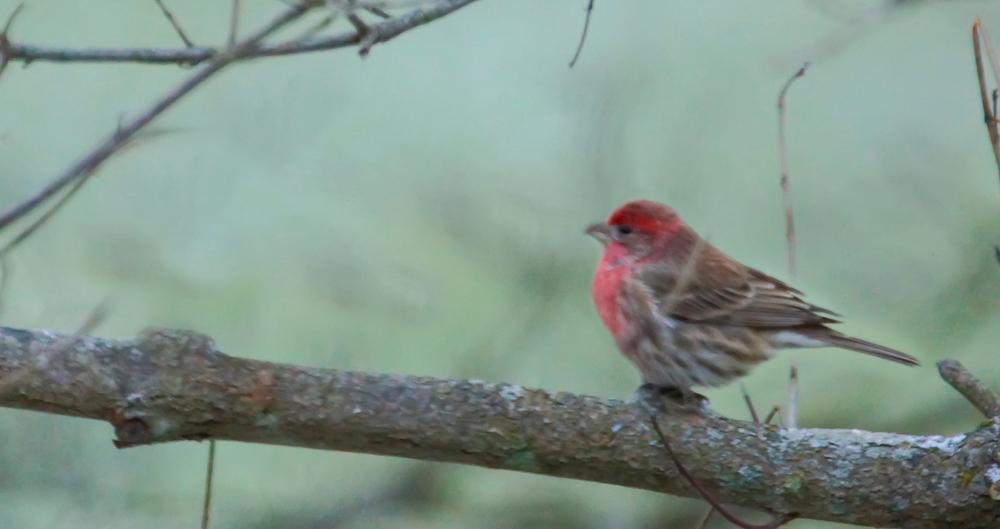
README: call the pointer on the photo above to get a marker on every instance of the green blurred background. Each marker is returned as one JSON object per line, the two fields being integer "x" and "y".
{"x": 422, "y": 212}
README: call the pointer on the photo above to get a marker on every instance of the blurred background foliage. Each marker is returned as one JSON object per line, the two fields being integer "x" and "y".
{"x": 422, "y": 212}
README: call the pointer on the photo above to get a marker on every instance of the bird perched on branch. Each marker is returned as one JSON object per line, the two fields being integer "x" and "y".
{"x": 686, "y": 314}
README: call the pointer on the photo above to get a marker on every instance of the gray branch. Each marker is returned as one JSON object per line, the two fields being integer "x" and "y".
{"x": 973, "y": 389}
{"x": 173, "y": 385}
{"x": 377, "y": 33}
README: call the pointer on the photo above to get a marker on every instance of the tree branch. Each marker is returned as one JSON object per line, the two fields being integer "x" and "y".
{"x": 381, "y": 32}
{"x": 86, "y": 166}
{"x": 973, "y": 389}
{"x": 172, "y": 385}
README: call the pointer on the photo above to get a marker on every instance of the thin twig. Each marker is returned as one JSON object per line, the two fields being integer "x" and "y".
{"x": 44, "y": 217}
{"x": 750, "y": 406}
{"x": 775, "y": 412}
{"x": 206, "y": 508}
{"x": 791, "y": 414}
{"x": 989, "y": 116}
{"x": 707, "y": 495}
{"x": 4, "y": 280}
{"x": 89, "y": 163}
{"x": 6, "y": 51}
{"x": 234, "y": 24}
{"x": 783, "y": 161}
{"x": 786, "y": 194}
{"x": 973, "y": 389}
{"x": 173, "y": 22}
{"x": 385, "y": 31}
{"x": 583, "y": 34}
{"x": 378, "y": 11}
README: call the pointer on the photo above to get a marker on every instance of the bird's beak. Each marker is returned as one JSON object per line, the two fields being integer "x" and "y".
{"x": 600, "y": 231}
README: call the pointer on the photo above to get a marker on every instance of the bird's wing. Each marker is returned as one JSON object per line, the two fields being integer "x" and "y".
{"x": 714, "y": 288}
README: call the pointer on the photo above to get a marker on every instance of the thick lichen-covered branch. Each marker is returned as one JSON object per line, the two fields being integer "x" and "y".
{"x": 170, "y": 385}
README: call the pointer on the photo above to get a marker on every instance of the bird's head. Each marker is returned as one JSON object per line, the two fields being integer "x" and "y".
{"x": 636, "y": 228}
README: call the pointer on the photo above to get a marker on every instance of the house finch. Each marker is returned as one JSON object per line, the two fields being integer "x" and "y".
{"x": 687, "y": 314}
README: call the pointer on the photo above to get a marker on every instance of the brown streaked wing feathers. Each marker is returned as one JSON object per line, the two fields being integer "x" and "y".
{"x": 722, "y": 291}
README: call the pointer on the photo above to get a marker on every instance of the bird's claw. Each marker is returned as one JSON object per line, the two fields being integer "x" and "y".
{"x": 661, "y": 399}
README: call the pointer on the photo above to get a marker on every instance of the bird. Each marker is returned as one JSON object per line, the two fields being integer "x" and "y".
{"x": 687, "y": 315}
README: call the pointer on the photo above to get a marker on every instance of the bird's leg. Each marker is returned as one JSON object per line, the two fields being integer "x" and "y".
{"x": 656, "y": 398}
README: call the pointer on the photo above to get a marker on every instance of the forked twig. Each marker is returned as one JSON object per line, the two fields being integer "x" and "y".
{"x": 382, "y": 32}
{"x": 173, "y": 22}
{"x": 120, "y": 137}
{"x": 583, "y": 34}
{"x": 5, "y": 46}
{"x": 707, "y": 495}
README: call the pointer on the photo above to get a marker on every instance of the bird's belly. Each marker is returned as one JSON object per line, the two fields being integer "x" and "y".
{"x": 682, "y": 354}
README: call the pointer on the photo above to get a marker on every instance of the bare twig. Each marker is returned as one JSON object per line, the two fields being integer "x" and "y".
{"x": 973, "y": 389}
{"x": 792, "y": 413}
{"x": 173, "y": 22}
{"x": 775, "y": 412}
{"x": 749, "y": 402}
{"x": 4, "y": 280}
{"x": 989, "y": 115}
{"x": 385, "y": 31}
{"x": 206, "y": 508}
{"x": 234, "y": 24}
{"x": 6, "y": 51}
{"x": 786, "y": 194}
{"x": 783, "y": 162}
{"x": 707, "y": 495}
{"x": 44, "y": 217}
{"x": 89, "y": 163}
{"x": 583, "y": 34}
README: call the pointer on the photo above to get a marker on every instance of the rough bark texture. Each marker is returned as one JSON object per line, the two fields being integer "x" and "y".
{"x": 172, "y": 385}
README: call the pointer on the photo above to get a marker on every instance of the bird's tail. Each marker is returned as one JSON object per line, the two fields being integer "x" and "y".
{"x": 874, "y": 349}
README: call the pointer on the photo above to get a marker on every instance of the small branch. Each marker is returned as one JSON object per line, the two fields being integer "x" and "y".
{"x": 989, "y": 117}
{"x": 792, "y": 413}
{"x": 583, "y": 34}
{"x": 749, "y": 402}
{"x": 173, "y": 22}
{"x": 6, "y": 48}
{"x": 79, "y": 171}
{"x": 386, "y": 31}
{"x": 783, "y": 163}
{"x": 978, "y": 394}
{"x": 206, "y": 507}
{"x": 234, "y": 24}
{"x": 172, "y": 385}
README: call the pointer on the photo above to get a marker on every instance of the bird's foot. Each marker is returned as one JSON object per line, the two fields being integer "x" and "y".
{"x": 660, "y": 399}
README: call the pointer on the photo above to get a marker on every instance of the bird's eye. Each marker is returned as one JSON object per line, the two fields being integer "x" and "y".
{"x": 624, "y": 229}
